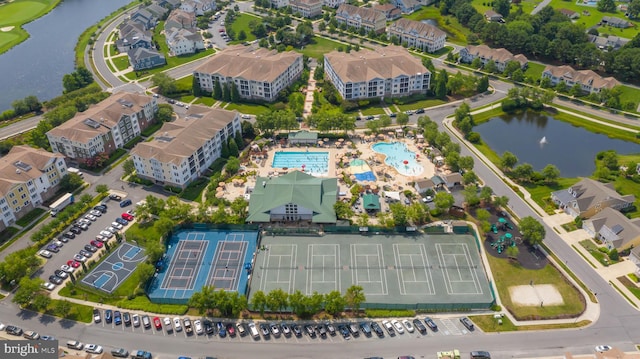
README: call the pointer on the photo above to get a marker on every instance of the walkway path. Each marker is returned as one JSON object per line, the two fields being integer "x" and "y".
{"x": 540, "y": 7}
{"x": 311, "y": 89}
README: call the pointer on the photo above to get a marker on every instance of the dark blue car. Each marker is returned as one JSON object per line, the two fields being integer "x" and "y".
{"x": 117, "y": 318}
{"x": 108, "y": 316}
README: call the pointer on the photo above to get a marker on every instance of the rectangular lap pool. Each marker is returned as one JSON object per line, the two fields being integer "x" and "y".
{"x": 313, "y": 163}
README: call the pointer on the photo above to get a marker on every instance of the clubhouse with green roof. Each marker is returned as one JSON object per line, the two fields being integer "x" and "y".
{"x": 295, "y": 196}
{"x": 371, "y": 202}
{"x": 303, "y": 137}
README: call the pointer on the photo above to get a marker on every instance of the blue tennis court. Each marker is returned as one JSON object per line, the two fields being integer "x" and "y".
{"x": 198, "y": 257}
{"x": 115, "y": 269}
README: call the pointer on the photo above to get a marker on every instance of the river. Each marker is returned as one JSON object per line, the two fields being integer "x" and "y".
{"x": 37, "y": 65}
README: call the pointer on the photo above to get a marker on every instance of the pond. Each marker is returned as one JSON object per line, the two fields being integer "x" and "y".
{"x": 539, "y": 139}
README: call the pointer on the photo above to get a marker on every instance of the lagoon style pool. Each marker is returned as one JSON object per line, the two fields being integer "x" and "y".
{"x": 313, "y": 163}
{"x": 399, "y": 157}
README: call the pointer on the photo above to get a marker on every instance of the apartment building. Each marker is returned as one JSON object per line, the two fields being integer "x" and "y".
{"x": 499, "y": 56}
{"x": 104, "y": 127}
{"x": 361, "y": 17}
{"x": 258, "y": 73}
{"x": 590, "y": 82}
{"x": 306, "y": 8}
{"x": 332, "y": 3}
{"x": 386, "y": 71}
{"x": 183, "y": 149}
{"x": 28, "y": 177}
{"x": 417, "y": 34}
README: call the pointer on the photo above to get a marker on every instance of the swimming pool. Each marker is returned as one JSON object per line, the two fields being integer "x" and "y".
{"x": 313, "y": 163}
{"x": 399, "y": 157}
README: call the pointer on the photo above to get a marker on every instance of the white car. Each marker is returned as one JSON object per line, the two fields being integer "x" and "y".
{"x": 197, "y": 324}
{"x": 116, "y": 225}
{"x": 106, "y": 234}
{"x": 407, "y": 324}
{"x": 111, "y": 230}
{"x": 398, "y": 327}
{"x": 48, "y": 286}
{"x": 79, "y": 258}
{"x": 101, "y": 238}
{"x": 85, "y": 221}
{"x": 176, "y": 324}
{"x": 603, "y": 348}
{"x": 67, "y": 268}
{"x": 57, "y": 243}
{"x": 93, "y": 348}
{"x": 246, "y": 117}
{"x": 95, "y": 213}
{"x": 45, "y": 253}
{"x": 91, "y": 217}
{"x": 167, "y": 324}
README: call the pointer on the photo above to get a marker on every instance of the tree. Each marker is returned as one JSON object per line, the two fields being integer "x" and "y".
{"x": 471, "y": 195}
{"x": 532, "y": 231}
{"x": 277, "y": 300}
{"x": 128, "y": 167}
{"x": 490, "y": 66}
{"x": 402, "y": 119}
{"x": 486, "y": 194}
{"x": 33, "y": 103}
{"x": 443, "y": 201}
{"x": 63, "y": 308}
{"x": 40, "y": 302}
{"x": 482, "y": 214}
{"x": 202, "y": 300}
{"x": 165, "y": 113}
{"x": 297, "y": 301}
{"x": 508, "y": 160}
{"x": 524, "y": 172}
{"x": 606, "y": 5}
{"x": 165, "y": 83}
{"x": 550, "y": 173}
{"x": 633, "y": 9}
{"x": 440, "y": 89}
{"x": 614, "y": 255}
{"x": 259, "y": 302}
{"x": 334, "y": 302}
{"x": 399, "y": 213}
{"x": 217, "y": 91}
{"x": 483, "y": 84}
{"x": 17, "y": 264}
{"x": 242, "y": 35}
{"x": 512, "y": 252}
{"x": 609, "y": 159}
{"x": 343, "y": 210}
{"x": 26, "y": 291}
{"x": 234, "y": 95}
{"x": 354, "y": 297}
{"x": 466, "y": 163}
{"x": 103, "y": 188}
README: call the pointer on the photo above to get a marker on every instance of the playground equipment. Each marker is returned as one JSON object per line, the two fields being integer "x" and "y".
{"x": 494, "y": 228}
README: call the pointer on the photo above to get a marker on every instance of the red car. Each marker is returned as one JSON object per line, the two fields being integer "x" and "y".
{"x": 73, "y": 264}
{"x": 127, "y": 216}
{"x": 96, "y": 243}
{"x": 157, "y": 323}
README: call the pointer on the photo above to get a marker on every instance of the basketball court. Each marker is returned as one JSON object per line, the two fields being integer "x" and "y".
{"x": 196, "y": 258}
{"x": 115, "y": 269}
{"x": 410, "y": 271}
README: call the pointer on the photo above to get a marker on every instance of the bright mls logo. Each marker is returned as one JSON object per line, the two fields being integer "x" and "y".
{"x": 29, "y": 349}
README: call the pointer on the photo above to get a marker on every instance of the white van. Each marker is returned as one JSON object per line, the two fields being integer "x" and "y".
{"x": 254, "y": 331}
{"x": 76, "y": 171}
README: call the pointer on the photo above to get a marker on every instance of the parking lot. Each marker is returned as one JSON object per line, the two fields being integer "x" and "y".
{"x": 73, "y": 246}
{"x": 446, "y": 327}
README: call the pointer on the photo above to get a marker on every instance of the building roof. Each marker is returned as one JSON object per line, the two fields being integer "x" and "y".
{"x": 453, "y": 177}
{"x": 491, "y": 13}
{"x": 567, "y": 12}
{"x": 617, "y": 224}
{"x": 185, "y": 19}
{"x": 366, "y": 65}
{"x": 425, "y": 183}
{"x": 615, "y": 20}
{"x": 129, "y": 26}
{"x": 371, "y": 201}
{"x": 101, "y": 117}
{"x": 416, "y": 28}
{"x": 140, "y": 53}
{"x": 383, "y": 7}
{"x": 303, "y": 135}
{"x": 181, "y": 138}
{"x": 306, "y": 3}
{"x": 365, "y": 14}
{"x": 585, "y": 77}
{"x": 175, "y": 35}
{"x": 316, "y": 194}
{"x": 21, "y": 164}
{"x": 498, "y": 55}
{"x": 437, "y": 180}
{"x": 143, "y": 13}
{"x": 157, "y": 10}
{"x": 257, "y": 64}
{"x": 588, "y": 192}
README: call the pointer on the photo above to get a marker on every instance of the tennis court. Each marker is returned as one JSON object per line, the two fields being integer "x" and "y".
{"x": 196, "y": 258}
{"x": 115, "y": 269}
{"x": 398, "y": 271}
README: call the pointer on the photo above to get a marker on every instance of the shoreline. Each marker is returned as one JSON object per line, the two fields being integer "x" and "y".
{"x": 18, "y": 30}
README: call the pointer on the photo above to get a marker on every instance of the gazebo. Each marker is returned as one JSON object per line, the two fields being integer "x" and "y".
{"x": 371, "y": 202}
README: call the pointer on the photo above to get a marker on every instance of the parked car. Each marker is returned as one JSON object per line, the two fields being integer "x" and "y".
{"x": 101, "y": 238}
{"x": 120, "y": 353}
{"x": 274, "y": 329}
{"x": 79, "y": 258}
{"x": 45, "y": 253}
{"x": 135, "y": 320}
{"x": 331, "y": 329}
{"x": 47, "y": 337}
{"x": 96, "y": 243}
{"x": 407, "y": 324}
{"x": 122, "y": 221}
{"x": 187, "y": 326}
{"x": 127, "y": 217}
{"x": 419, "y": 326}
{"x": 264, "y": 330}
{"x": 296, "y": 330}
{"x": 101, "y": 207}
{"x": 420, "y": 110}
{"x": 115, "y": 197}
{"x": 90, "y": 248}
{"x": 117, "y": 317}
{"x": 95, "y": 213}
{"x": 13, "y": 330}
{"x": 73, "y": 264}
{"x": 85, "y": 254}
{"x": 365, "y": 328}
{"x": 126, "y": 202}
{"x": 197, "y": 325}
{"x": 126, "y": 318}
{"x": 48, "y": 286}
{"x": 208, "y": 327}
{"x": 31, "y": 335}
{"x": 286, "y": 331}
{"x": 55, "y": 279}
{"x": 69, "y": 235}
{"x": 65, "y": 268}
{"x": 52, "y": 248}
{"x": 342, "y": 328}
{"x": 231, "y": 330}
{"x": 397, "y": 326}
{"x": 60, "y": 273}
{"x": 242, "y": 329}
{"x": 467, "y": 323}
{"x": 431, "y": 324}
{"x": 116, "y": 225}
{"x": 176, "y": 324}
{"x": 97, "y": 318}
{"x": 91, "y": 217}
{"x": 389, "y": 327}
{"x": 157, "y": 323}
{"x": 310, "y": 332}
{"x": 377, "y": 329}
{"x": 75, "y": 230}
{"x": 167, "y": 325}
{"x": 106, "y": 234}
{"x": 108, "y": 316}
{"x": 93, "y": 348}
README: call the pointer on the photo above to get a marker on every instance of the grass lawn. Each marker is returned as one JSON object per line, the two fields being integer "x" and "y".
{"x": 372, "y": 110}
{"x": 184, "y": 83}
{"x": 18, "y": 13}
{"x": 194, "y": 190}
{"x": 630, "y": 94}
{"x": 508, "y": 274}
{"x": 490, "y": 324}
{"x": 78, "y": 312}
{"x": 121, "y": 62}
{"x": 456, "y": 33}
{"x": 207, "y": 101}
{"x": 600, "y": 256}
{"x": 319, "y": 46}
{"x": 542, "y": 194}
{"x": 241, "y": 23}
{"x": 30, "y": 217}
{"x": 534, "y": 70}
{"x": 420, "y": 104}
{"x": 630, "y": 285}
{"x": 111, "y": 68}
{"x": 595, "y": 17}
{"x": 248, "y": 108}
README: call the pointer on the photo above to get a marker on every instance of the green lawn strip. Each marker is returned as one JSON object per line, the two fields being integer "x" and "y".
{"x": 490, "y": 324}
{"x": 207, "y": 101}
{"x": 541, "y": 194}
{"x": 172, "y": 61}
{"x": 186, "y": 98}
{"x": 121, "y": 62}
{"x": 570, "y": 227}
{"x": 420, "y": 104}
{"x": 507, "y": 274}
{"x": 18, "y": 13}
{"x": 105, "y": 51}
{"x": 630, "y": 286}
{"x": 194, "y": 190}
{"x": 371, "y": 110}
{"x": 595, "y": 17}
{"x": 111, "y": 68}
{"x": 456, "y": 33}
{"x": 583, "y": 256}
{"x": 595, "y": 127}
{"x": 623, "y": 294}
{"x": 485, "y": 116}
{"x": 184, "y": 84}
{"x": 601, "y": 257}
{"x": 30, "y": 217}
{"x": 534, "y": 70}
{"x": 248, "y": 108}
{"x": 241, "y": 23}
{"x": 79, "y": 312}
{"x": 318, "y": 47}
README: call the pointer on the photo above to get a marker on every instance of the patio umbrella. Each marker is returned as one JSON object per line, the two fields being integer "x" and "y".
{"x": 221, "y": 184}
{"x": 508, "y": 235}
{"x": 352, "y": 177}
{"x": 349, "y": 143}
{"x": 390, "y": 133}
{"x": 326, "y": 140}
{"x": 219, "y": 189}
{"x": 374, "y": 187}
{"x": 320, "y": 143}
{"x": 381, "y": 136}
{"x": 341, "y": 140}
{"x": 219, "y": 194}
{"x": 502, "y": 220}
